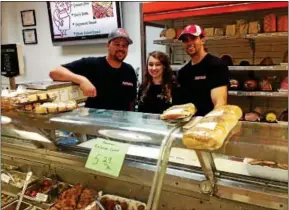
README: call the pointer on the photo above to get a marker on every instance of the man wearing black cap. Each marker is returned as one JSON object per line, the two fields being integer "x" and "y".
{"x": 108, "y": 82}
{"x": 203, "y": 81}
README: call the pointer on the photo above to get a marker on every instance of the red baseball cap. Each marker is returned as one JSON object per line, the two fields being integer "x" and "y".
{"x": 194, "y": 30}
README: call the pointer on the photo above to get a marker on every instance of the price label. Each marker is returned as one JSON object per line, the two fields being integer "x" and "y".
{"x": 107, "y": 157}
{"x": 41, "y": 197}
{"x": 5, "y": 178}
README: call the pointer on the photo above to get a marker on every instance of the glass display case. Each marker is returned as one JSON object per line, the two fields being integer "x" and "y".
{"x": 158, "y": 170}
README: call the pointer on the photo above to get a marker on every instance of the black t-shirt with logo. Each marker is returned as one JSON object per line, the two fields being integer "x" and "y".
{"x": 116, "y": 88}
{"x": 153, "y": 101}
{"x": 197, "y": 81}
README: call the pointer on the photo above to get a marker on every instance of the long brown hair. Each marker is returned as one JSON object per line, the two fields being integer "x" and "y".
{"x": 166, "y": 77}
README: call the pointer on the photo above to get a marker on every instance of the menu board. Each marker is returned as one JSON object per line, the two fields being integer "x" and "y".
{"x": 83, "y": 19}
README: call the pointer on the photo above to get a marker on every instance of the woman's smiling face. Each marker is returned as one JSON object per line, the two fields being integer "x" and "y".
{"x": 155, "y": 68}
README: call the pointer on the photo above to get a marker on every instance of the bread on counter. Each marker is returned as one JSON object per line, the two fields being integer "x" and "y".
{"x": 211, "y": 131}
{"x": 179, "y": 111}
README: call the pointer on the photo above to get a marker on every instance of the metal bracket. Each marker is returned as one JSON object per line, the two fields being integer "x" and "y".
{"x": 208, "y": 166}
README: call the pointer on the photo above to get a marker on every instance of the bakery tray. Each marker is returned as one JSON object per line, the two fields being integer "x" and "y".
{"x": 32, "y": 114}
{"x": 11, "y": 199}
{"x": 35, "y": 187}
{"x": 34, "y": 102}
{"x": 12, "y": 206}
{"x": 132, "y": 204}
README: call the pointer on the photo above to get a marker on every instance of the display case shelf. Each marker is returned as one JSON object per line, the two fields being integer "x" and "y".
{"x": 218, "y": 38}
{"x": 259, "y": 94}
{"x": 246, "y": 68}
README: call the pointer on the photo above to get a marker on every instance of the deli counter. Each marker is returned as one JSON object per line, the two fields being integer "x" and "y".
{"x": 158, "y": 170}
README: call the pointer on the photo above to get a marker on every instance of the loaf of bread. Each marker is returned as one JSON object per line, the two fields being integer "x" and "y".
{"x": 209, "y": 32}
{"x": 242, "y": 27}
{"x": 254, "y": 27}
{"x": 211, "y": 131}
{"x": 179, "y": 112}
{"x": 230, "y": 30}
{"x": 219, "y": 32}
{"x": 171, "y": 33}
{"x": 270, "y": 23}
{"x": 283, "y": 23}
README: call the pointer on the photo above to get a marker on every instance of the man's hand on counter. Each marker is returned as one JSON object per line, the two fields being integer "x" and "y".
{"x": 87, "y": 88}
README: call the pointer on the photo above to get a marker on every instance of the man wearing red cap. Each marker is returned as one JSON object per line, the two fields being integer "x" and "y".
{"x": 203, "y": 81}
{"x": 108, "y": 82}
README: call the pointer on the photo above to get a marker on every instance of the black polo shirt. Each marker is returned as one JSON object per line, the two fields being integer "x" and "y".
{"x": 197, "y": 81}
{"x": 116, "y": 88}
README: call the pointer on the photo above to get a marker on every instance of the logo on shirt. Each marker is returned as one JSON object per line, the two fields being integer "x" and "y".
{"x": 200, "y": 77}
{"x": 127, "y": 84}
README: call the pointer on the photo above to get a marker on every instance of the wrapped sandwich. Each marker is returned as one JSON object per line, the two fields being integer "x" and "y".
{"x": 179, "y": 112}
{"x": 211, "y": 131}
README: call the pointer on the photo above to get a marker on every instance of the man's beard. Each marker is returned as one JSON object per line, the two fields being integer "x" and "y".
{"x": 117, "y": 58}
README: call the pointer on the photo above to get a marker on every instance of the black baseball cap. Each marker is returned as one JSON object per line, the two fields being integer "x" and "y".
{"x": 119, "y": 33}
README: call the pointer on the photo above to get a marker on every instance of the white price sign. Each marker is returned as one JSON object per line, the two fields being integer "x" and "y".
{"x": 41, "y": 197}
{"x": 5, "y": 178}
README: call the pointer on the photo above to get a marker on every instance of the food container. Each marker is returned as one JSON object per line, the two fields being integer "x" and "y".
{"x": 266, "y": 172}
{"x": 12, "y": 206}
{"x": 125, "y": 203}
{"x": 7, "y": 198}
{"x": 19, "y": 178}
{"x": 45, "y": 186}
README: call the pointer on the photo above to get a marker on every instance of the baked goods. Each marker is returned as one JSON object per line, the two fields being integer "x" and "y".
{"x": 211, "y": 131}
{"x": 252, "y": 116}
{"x": 42, "y": 96}
{"x": 267, "y": 62}
{"x": 219, "y": 32}
{"x": 230, "y": 30}
{"x": 209, "y": 32}
{"x": 32, "y": 98}
{"x": 51, "y": 107}
{"x": 250, "y": 85}
{"x": 254, "y": 27}
{"x": 270, "y": 23}
{"x": 265, "y": 85}
{"x": 271, "y": 116}
{"x": 171, "y": 33}
{"x": 282, "y": 24}
{"x": 234, "y": 84}
{"x": 227, "y": 60}
{"x": 179, "y": 112}
{"x": 284, "y": 116}
{"x": 245, "y": 63}
{"x": 242, "y": 27}
{"x": 109, "y": 202}
{"x": 271, "y": 164}
{"x": 61, "y": 107}
{"x": 71, "y": 105}
{"x": 284, "y": 84}
{"x": 41, "y": 110}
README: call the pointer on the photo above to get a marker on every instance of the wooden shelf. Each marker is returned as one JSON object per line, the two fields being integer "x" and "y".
{"x": 175, "y": 42}
{"x": 247, "y": 68}
{"x": 259, "y": 94}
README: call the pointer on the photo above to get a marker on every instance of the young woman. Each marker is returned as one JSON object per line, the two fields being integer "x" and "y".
{"x": 155, "y": 94}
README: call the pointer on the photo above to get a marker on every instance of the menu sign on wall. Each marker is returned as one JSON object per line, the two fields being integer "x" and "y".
{"x": 82, "y": 19}
{"x": 12, "y": 63}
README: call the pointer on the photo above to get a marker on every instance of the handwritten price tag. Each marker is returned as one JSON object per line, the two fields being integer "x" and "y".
{"x": 41, "y": 197}
{"x": 107, "y": 157}
{"x": 5, "y": 178}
